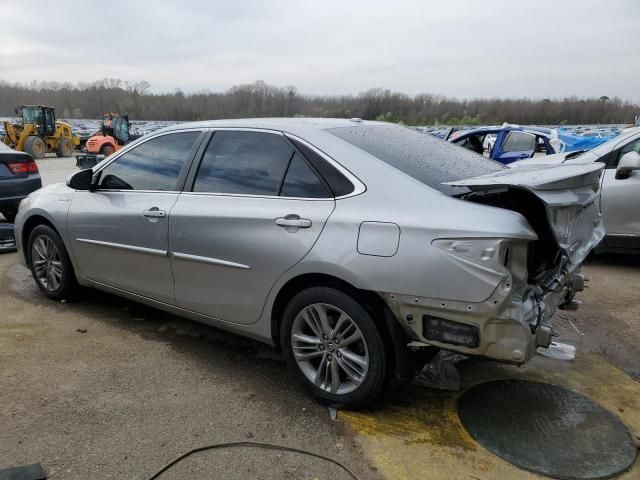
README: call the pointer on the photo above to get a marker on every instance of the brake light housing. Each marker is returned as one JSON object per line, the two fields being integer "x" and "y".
{"x": 23, "y": 167}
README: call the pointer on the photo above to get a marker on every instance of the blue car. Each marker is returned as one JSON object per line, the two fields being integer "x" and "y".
{"x": 505, "y": 144}
{"x": 510, "y": 143}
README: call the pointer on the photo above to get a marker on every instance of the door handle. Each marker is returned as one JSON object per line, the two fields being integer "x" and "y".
{"x": 154, "y": 212}
{"x": 293, "y": 221}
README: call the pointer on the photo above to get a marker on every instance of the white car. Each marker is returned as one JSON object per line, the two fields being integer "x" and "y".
{"x": 620, "y": 186}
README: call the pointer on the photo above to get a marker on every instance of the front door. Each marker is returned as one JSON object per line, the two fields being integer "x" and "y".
{"x": 619, "y": 201}
{"x": 119, "y": 232}
{"x": 256, "y": 209}
{"x": 515, "y": 146}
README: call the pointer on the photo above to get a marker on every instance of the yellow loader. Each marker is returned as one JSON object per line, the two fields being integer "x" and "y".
{"x": 39, "y": 133}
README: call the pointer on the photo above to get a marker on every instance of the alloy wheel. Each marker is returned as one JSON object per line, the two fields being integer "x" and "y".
{"x": 329, "y": 348}
{"x": 47, "y": 263}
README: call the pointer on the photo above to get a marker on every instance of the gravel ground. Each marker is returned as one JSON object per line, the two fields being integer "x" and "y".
{"x": 106, "y": 388}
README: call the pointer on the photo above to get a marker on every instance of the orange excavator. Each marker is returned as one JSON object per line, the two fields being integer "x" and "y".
{"x": 113, "y": 135}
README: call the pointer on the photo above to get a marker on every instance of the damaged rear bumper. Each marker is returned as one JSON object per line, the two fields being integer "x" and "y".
{"x": 507, "y": 327}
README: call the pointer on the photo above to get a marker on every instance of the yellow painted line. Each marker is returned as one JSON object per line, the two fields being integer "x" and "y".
{"x": 416, "y": 433}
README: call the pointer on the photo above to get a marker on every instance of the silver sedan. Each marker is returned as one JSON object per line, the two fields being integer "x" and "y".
{"x": 339, "y": 241}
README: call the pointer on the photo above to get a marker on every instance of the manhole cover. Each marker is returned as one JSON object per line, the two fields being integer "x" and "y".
{"x": 547, "y": 429}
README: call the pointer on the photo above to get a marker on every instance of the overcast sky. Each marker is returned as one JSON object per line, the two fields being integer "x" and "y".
{"x": 469, "y": 48}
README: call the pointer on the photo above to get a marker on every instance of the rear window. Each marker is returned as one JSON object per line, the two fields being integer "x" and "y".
{"x": 427, "y": 159}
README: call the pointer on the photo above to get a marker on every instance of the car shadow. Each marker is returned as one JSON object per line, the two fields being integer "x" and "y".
{"x": 154, "y": 324}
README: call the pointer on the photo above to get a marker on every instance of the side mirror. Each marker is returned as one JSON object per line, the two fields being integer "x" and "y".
{"x": 628, "y": 163}
{"x": 82, "y": 180}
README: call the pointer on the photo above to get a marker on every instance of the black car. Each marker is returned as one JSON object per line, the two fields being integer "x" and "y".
{"x": 19, "y": 176}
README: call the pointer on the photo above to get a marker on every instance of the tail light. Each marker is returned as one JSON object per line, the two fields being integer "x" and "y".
{"x": 23, "y": 167}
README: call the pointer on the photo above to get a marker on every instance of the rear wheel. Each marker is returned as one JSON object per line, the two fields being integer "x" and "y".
{"x": 334, "y": 347}
{"x": 107, "y": 150}
{"x": 65, "y": 149}
{"x": 35, "y": 146}
{"x": 50, "y": 264}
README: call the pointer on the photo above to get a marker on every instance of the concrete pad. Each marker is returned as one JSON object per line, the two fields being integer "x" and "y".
{"x": 417, "y": 434}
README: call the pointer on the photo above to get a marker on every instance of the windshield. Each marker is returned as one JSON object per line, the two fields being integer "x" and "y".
{"x": 428, "y": 159}
{"x": 32, "y": 115}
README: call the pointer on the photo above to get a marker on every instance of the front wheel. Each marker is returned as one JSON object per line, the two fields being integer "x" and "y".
{"x": 50, "y": 264}
{"x": 334, "y": 347}
{"x": 35, "y": 146}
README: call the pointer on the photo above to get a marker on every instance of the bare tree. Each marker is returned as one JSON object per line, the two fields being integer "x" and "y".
{"x": 260, "y": 99}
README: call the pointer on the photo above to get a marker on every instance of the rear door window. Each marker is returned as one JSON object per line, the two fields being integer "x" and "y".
{"x": 301, "y": 181}
{"x": 242, "y": 162}
{"x": 338, "y": 184}
{"x": 153, "y": 165}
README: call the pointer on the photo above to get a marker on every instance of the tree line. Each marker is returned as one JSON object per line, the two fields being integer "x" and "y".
{"x": 259, "y": 99}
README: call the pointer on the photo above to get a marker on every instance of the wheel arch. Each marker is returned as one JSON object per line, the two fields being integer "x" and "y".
{"x": 28, "y": 226}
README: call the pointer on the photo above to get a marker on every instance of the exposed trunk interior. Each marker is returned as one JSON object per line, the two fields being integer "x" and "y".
{"x": 544, "y": 254}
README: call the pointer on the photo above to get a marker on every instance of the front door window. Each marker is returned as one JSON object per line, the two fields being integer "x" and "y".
{"x": 152, "y": 165}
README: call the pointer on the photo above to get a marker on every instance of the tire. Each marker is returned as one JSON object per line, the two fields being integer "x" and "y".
{"x": 107, "y": 150}
{"x": 35, "y": 146}
{"x": 9, "y": 215}
{"x": 65, "y": 149}
{"x": 359, "y": 368}
{"x": 51, "y": 250}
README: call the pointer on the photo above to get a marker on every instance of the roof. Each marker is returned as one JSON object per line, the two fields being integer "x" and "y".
{"x": 288, "y": 124}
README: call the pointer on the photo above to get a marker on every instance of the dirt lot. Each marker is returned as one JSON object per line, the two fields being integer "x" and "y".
{"x": 140, "y": 386}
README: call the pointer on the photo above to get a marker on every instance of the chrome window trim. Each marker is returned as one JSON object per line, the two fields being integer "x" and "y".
{"x": 358, "y": 189}
{"x": 123, "y": 246}
{"x": 249, "y": 195}
{"x": 248, "y": 129}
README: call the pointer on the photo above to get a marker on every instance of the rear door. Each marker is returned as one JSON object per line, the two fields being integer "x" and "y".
{"x": 119, "y": 232}
{"x": 515, "y": 146}
{"x": 256, "y": 208}
{"x": 620, "y": 200}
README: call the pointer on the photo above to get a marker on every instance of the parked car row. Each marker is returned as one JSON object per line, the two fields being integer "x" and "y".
{"x": 338, "y": 241}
